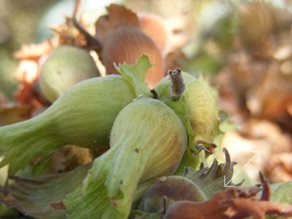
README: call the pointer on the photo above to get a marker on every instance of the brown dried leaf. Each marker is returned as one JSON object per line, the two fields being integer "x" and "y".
{"x": 26, "y": 74}
{"x": 3, "y": 100}
{"x": 27, "y": 92}
{"x": 242, "y": 208}
{"x": 226, "y": 204}
{"x": 10, "y": 114}
{"x": 73, "y": 32}
{"x": 199, "y": 210}
{"x": 33, "y": 51}
{"x": 280, "y": 167}
{"x": 118, "y": 16}
{"x": 269, "y": 141}
{"x": 155, "y": 27}
{"x": 58, "y": 205}
{"x": 27, "y": 71}
{"x": 267, "y": 192}
{"x": 233, "y": 203}
{"x": 260, "y": 87}
{"x": 68, "y": 34}
{"x": 69, "y": 157}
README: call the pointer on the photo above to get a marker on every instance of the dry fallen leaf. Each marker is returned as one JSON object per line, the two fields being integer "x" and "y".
{"x": 33, "y": 51}
{"x": 118, "y": 16}
{"x": 69, "y": 157}
{"x": 14, "y": 113}
{"x": 280, "y": 167}
{"x": 233, "y": 203}
{"x": 202, "y": 210}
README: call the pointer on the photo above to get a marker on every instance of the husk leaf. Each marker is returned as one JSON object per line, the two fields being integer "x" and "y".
{"x": 147, "y": 141}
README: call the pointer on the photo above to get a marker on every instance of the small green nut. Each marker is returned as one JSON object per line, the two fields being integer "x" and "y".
{"x": 64, "y": 67}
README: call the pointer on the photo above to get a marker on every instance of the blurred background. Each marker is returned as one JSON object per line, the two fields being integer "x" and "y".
{"x": 27, "y": 21}
{"x": 19, "y": 22}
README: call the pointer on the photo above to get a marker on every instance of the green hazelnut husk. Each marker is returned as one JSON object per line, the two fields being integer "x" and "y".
{"x": 147, "y": 142}
{"x": 202, "y": 104}
{"x": 82, "y": 116}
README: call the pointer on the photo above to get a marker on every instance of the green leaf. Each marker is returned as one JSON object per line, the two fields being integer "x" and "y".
{"x": 190, "y": 157}
{"x": 282, "y": 193}
{"x": 33, "y": 196}
{"x": 135, "y": 75}
{"x": 181, "y": 109}
{"x": 8, "y": 213}
{"x": 93, "y": 191}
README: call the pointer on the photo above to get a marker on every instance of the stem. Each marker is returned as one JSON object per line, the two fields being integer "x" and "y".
{"x": 177, "y": 84}
{"x": 92, "y": 42}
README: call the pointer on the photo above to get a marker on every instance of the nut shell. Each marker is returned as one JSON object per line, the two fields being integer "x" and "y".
{"x": 168, "y": 190}
{"x": 127, "y": 45}
{"x": 155, "y": 28}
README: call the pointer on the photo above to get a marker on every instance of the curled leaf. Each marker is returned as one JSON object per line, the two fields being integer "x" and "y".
{"x": 117, "y": 16}
{"x": 33, "y": 196}
{"x": 135, "y": 75}
{"x": 14, "y": 113}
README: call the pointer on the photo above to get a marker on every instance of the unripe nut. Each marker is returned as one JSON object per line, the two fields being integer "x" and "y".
{"x": 64, "y": 67}
{"x": 168, "y": 190}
